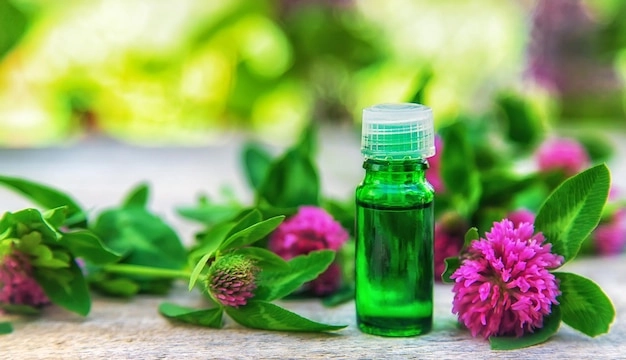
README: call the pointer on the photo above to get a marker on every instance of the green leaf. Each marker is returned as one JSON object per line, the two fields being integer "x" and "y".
{"x": 598, "y": 146}
{"x": 72, "y": 294}
{"x": 198, "y": 269}
{"x": 419, "y": 89}
{"x": 34, "y": 221}
{"x": 137, "y": 196}
{"x": 573, "y": 210}
{"x": 5, "y": 328}
{"x": 501, "y": 185}
{"x": 264, "y": 258}
{"x": 87, "y": 245}
{"x": 307, "y": 143}
{"x": 470, "y": 235}
{"x": 244, "y": 220}
{"x": 210, "y": 241}
{"x": 141, "y": 237}
{"x": 523, "y": 127}
{"x": 344, "y": 294}
{"x": 209, "y": 213}
{"x": 292, "y": 181}
{"x": 585, "y": 306}
{"x": 56, "y": 217}
{"x": 452, "y": 264}
{"x": 19, "y": 309}
{"x": 251, "y": 234}
{"x": 208, "y": 317}
{"x": 115, "y": 286}
{"x": 14, "y": 25}
{"x": 46, "y": 196}
{"x": 257, "y": 163}
{"x": 551, "y": 324}
{"x": 267, "y": 316}
{"x": 458, "y": 170}
{"x": 274, "y": 285}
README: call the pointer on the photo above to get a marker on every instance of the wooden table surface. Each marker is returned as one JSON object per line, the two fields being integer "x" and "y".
{"x": 99, "y": 172}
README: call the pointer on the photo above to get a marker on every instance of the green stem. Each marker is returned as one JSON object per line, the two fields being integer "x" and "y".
{"x": 127, "y": 269}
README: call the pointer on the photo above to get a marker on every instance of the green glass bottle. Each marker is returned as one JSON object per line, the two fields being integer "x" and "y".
{"x": 394, "y": 222}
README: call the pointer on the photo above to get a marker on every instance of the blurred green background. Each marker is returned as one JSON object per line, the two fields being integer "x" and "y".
{"x": 186, "y": 72}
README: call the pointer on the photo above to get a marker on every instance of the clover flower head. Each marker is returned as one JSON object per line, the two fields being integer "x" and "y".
{"x": 17, "y": 284}
{"x": 503, "y": 286}
{"x": 312, "y": 228}
{"x": 231, "y": 280}
{"x": 564, "y": 154}
{"x": 433, "y": 175}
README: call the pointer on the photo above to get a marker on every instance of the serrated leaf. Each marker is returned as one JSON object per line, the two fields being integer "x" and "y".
{"x": 251, "y": 234}
{"x": 258, "y": 314}
{"x": 452, "y": 264}
{"x": 551, "y": 324}
{"x": 5, "y": 328}
{"x": 573, "y": 210}
{"x": 584, "y": 305}
{"x": 137, "y": 196}
{"x": 72, "y": 295}
{"x": 46, "y": 196}
{"x": 274, "y": 285}
{"x": 257, "y": 162}
{"x": 208, "y": 317}
{"x": 264, "y": 258}
{"x": 198, "y": 269}
{"x": 86, "y": 245}
{"x": 470, "y": 235}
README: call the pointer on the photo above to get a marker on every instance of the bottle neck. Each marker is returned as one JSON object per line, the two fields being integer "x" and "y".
{"x": 395, "y": 171}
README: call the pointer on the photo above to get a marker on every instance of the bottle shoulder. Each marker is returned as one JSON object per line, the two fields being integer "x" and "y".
{"x": 395, "y": 194}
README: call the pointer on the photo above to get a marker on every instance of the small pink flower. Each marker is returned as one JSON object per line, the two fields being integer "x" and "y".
{"x": 503, "y": 286}
{"x": 521, "y": 216}
{"x": 564, "y": 154}
{"x": 433, "y": 174}
{"x": 312, "y": 228}
{"x": 17, "y": 284}
{"x": 231, "y": 280}
{"x": 449, "y": 240}
{"x": 610, "y": 237}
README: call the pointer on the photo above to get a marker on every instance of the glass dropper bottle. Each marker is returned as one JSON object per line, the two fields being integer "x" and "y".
{"x": 394, "y": 222}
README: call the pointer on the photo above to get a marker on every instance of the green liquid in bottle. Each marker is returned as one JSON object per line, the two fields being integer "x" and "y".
{"x": 394, "y": 222}
{"x": 394, "y": 269}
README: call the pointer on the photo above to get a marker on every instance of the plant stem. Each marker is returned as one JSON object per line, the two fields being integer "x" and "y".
{"x": 140, "y": 270}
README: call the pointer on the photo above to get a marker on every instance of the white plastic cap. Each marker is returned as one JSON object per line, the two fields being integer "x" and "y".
{"x": 398, "y": 132}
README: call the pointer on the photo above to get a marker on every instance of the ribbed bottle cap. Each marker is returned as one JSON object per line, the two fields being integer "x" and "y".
{"x": 398, "y": 132}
